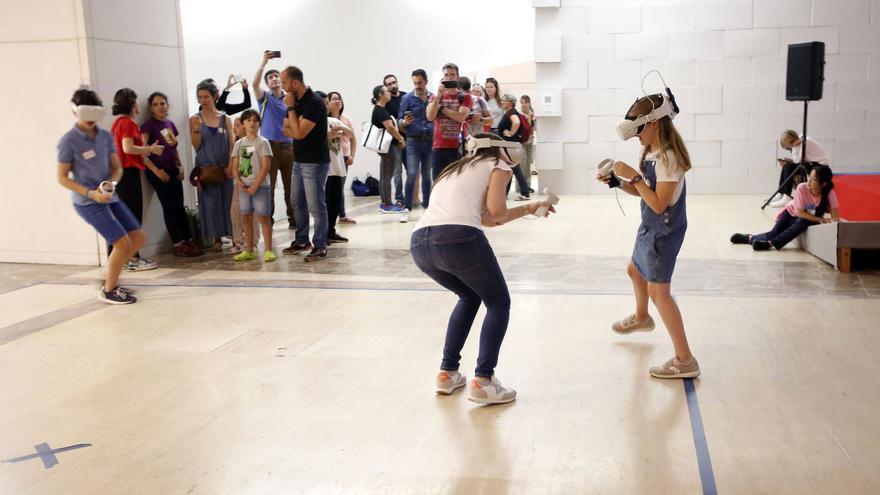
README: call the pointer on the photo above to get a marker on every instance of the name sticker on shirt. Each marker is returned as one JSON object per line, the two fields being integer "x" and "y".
{"x": 88, "y": 155}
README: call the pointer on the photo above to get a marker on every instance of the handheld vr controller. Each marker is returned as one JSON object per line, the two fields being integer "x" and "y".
{"x": 552, "y": 199}
{"x": 606, "y": 167}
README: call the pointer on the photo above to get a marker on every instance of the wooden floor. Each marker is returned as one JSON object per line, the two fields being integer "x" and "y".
{"x": 317, "y": 378}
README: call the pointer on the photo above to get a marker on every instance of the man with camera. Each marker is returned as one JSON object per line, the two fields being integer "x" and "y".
{"x": 272, "y": 113}
{"x": 448, "y": 109}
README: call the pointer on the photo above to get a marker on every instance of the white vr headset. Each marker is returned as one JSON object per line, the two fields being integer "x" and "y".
{"x": 509, "y": 151}
{"x": 89, "y": 113}
{"x": 628, "y": 129}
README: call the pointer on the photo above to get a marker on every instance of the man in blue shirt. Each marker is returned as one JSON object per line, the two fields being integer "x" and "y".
{"x": 419, "y": 136}
{"x": 273, "y": 111}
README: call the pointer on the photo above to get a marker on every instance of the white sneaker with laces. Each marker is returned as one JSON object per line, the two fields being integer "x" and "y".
{"x": 449, "y": 381}
{"x": 490, "y": 393}
{"x": 404, "y": 217}
{"x": 781, "y": 202}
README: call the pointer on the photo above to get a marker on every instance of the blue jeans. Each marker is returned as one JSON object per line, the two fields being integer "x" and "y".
{"x": 307, "y": 196}
{"x": 260, "y": 202}
{"x": 440, "y": 159}
{"x": 785, "y": 230}
{"x": 460, "y": 259}
{"x": 418, "y": 162}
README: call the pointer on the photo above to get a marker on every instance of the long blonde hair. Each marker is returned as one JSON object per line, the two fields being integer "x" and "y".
{"x": 670, "y": 139}
{"x": 459, "y": 165}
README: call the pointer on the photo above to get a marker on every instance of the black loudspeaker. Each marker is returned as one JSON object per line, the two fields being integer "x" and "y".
{"x": 806, "y": 71}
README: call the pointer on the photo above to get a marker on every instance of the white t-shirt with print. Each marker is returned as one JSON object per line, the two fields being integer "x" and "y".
{"x": 337, "y": 161}
{"x": 668, "y": 171}
{"x": 250, "y": 153}
{"x": 460, "y": 198}
{"x": 815, "y": 152}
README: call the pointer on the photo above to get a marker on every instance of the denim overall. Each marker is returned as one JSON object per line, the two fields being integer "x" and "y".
{"x": 660, "y": 236}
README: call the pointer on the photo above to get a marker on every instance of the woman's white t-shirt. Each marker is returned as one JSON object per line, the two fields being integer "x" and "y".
{"x": 460, "y": 198}
{"x": 337, "y": 162}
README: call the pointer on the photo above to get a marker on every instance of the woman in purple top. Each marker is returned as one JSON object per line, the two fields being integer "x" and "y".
{"x": 158, "y": 128}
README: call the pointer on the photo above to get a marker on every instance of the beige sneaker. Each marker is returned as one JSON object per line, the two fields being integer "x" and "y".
{"x": 449, "y": 381}
{"x": 676, "y": 369}
{"x": 630, "y": 324}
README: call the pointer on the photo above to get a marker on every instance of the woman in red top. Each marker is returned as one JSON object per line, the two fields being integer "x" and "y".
{"x": 132, "y": 152}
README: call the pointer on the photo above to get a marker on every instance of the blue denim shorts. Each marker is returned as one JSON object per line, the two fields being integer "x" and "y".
{"x": 112, "y": 220}
{"x": 260, "y": 202}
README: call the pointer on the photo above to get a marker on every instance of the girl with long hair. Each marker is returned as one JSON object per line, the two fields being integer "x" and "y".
{"x": 348, "y": 146}
{"x": 812, "y": 200}
{"x": 449, "y": 246}
{"x": 493, "y": 99}
{"x": 660, "y": 183}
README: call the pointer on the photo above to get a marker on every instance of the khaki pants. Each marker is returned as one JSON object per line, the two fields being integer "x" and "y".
{"x": 282, "y": 161}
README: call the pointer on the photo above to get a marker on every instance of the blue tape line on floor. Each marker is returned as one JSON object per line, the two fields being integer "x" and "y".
{"x": 707, "y": 476}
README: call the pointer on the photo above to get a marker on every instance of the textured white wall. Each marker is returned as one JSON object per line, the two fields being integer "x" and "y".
{"x": 726, "y": 62}
{"x": 50, "y": 48}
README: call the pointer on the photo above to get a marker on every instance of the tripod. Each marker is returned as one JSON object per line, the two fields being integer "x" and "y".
{"x": 801, "y": 167}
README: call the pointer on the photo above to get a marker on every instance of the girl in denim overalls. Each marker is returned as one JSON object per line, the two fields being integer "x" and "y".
{"x": 660, "y": 183}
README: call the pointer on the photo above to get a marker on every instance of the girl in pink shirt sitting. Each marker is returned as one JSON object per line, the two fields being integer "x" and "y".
{"x": 812, "y": 200}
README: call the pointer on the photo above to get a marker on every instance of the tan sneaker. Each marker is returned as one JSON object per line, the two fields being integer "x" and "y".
{"x": 630, "y": 324}
{"x": 676, "y": 369}
{"x": 449, "y": 381}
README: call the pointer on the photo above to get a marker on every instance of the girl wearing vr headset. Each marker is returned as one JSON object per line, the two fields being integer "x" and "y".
{"x": 88, "y": 165}
{"x": 660, "y": 184}
{"x": 448, "y": 244}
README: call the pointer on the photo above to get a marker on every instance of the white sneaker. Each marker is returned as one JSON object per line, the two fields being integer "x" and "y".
{"x": 449, "y": 381}
{"x": 776, "y": 197}
{"x": 141, "y": 265}
{"x": 404, "y": 217}
{"x": 781, "y": 202}
{"x": 490, "y": 393}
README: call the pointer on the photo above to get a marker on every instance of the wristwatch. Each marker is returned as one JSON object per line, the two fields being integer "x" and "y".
{"x": 291, "y": 109}
{"x": 635, "y": 180}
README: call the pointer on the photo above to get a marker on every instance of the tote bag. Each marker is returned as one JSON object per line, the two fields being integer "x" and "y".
{"x": 376, "y": 139}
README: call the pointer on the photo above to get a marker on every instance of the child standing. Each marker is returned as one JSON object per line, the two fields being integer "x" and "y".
{"x": 250, "y": 160}
{"x": 88, "y": 152}
{"x": 812, "y": 200}
{"x": 238, "y": 239}
{"x": 660, "y": 184}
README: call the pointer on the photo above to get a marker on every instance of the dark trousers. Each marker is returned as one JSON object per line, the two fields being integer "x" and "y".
{"x": 520, "y": 180}
{"x": 787, "y": 170}
{"x": 440, "y": 159}
{"x": 460, "y": 259}
{"x": 785, "y": 230}
{"x": 170, "y": 195}
{"x": 399, "y": 167}
{"x": 333, "y": 194}
{"x": 129, "y": 191}
{"x": 387, "y": 164}
{"x": 342, "y": 197}
{"x": 282, "y": 162}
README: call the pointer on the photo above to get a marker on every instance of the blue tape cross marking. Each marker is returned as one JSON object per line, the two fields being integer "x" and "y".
{"x": 707, "y": 477}
{"x": 47, "y": 454}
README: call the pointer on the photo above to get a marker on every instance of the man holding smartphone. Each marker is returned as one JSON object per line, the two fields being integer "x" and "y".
{"x": 447, "y": 110}
{"x": 419, "y": 136}
{"x": 273, "y": 111}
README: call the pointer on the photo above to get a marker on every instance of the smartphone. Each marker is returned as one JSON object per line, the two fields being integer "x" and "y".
{"x": 450, "y": 84}
{"x": 238, "y": 78}
{"x": 407, "y": 113}
{"x": 275, "y": 53}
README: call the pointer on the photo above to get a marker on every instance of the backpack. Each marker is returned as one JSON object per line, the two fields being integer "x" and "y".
{"x": 525, "y": 129}
{"x": 359, "y": 188}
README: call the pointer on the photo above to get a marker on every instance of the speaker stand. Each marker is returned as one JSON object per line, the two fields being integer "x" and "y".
{"x": 802, "y": 166}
